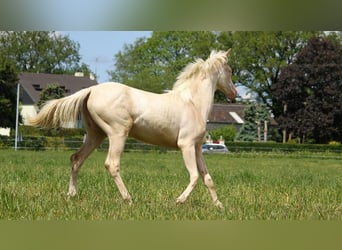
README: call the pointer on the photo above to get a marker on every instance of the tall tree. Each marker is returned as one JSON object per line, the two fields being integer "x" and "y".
{"x": 257, "y": 58}
{"x": 8, "y": 95}
{"x": 310, "y": 90}
{"x": 41, "y": 51}
{"x": 154, "y": 63}
{"x": 253, "y": 114}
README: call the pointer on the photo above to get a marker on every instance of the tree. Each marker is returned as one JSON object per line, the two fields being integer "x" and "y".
{"x": 253, "y": 114}
{"x": 41, "y": 51}
{"x": 310, "y": 90}
{"x": 154, "y": 63}
{"x": 258, "y": 57}
{"x": 52, "y": 91}
{"x": 8, "y": 95}
{"x": 256, "y": 60}
{"x": 228, "y": 133}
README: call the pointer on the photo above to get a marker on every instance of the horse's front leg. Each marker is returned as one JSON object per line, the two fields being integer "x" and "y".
{"x": 189, "y": 157}
{"x": 208, "y": 181}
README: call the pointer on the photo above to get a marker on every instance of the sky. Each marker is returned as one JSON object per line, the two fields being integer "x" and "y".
{"x": 97, "y": 48}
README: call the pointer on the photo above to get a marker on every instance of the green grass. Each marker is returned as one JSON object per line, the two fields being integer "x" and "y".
{"x": 274, "y": 186}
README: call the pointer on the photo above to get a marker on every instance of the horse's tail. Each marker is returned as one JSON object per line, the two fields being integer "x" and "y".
{"x": 59, "y": 112}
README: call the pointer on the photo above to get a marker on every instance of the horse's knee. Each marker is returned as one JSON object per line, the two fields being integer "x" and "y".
{"x": 112, "y": 168}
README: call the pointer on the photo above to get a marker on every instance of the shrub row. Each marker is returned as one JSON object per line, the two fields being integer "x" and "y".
{"x": 65, "y": 143}
{"x": 273, "y": 146}
{"x": 42, "y": 142}
{"x": 60, "y": 132}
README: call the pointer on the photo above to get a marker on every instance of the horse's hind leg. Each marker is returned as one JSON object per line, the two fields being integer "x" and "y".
{"x": 92, "y": 141}
{"x": 112, "y": 163}
{"x": 202, "y": 168}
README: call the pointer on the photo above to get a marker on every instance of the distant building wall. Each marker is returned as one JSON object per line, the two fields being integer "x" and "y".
{"x": 5, "y": 131}
{"x": 27, "y": 112}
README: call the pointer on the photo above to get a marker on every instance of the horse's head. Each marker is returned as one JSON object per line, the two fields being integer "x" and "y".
{"x": 224, "y": 81}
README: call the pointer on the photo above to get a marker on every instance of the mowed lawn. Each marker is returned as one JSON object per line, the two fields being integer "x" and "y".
{"x": 251, "y": 186}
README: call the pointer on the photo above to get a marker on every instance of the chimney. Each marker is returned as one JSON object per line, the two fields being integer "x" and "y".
{"x": 79, "y": 74}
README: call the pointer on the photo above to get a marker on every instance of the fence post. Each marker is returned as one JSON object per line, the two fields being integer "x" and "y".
{"x": 265, "y": 131}
{"x": 259, "y": 131}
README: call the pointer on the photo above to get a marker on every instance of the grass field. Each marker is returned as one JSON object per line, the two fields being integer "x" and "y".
{"x": 266, "y": 186}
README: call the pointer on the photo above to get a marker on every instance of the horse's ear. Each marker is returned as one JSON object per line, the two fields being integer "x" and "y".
{"x": 228, "y": 52}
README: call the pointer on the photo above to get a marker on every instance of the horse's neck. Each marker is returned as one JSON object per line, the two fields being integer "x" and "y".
{"x": 202, "y": 97}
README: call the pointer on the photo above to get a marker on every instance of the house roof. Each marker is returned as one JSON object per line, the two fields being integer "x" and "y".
{"x": 33, "y": 84}
{"x": 230, "y": 114}
{"x": 227, "y": 113}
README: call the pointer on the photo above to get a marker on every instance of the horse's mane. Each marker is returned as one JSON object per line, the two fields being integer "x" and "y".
{"x": 199, "y": 67}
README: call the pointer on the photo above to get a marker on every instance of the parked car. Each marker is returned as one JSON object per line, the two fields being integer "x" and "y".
{"x": 214, "y": 148}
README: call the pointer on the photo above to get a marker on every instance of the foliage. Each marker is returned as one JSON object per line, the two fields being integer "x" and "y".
{"x": 52, "y": 91}
{"x": 154, "y": 63}
{"x": 253, "y": 113}
{"x": 41, "y": 51}
{"x": 25, "y": 130}
{"x": 289, "y": 147}
{"x": 335, "y": 143}
{"x": 8, "y": 95}
{"x": 69, "y": 139}
{"x": 257, "y": 58}
{"x": 6, "y": 142}
{"x": 260, "y": 186}
{"x": 33, "y": 143}
{"x": 32, "y": 51}
{"x": 228, "y": 133}
{"x": 310, "y": 91}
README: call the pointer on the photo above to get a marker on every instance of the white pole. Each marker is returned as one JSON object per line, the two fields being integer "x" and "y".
{"x": 265, "y": 131}
{"x": 17, "y": 119}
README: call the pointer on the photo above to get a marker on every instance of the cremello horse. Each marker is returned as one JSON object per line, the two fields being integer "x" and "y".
{"x": 174, "y": 119}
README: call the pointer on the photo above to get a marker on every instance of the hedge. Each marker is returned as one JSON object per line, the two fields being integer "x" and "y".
{"x": 59, "y": 132}
{"x": 285, "y": 147}
{"x": 65, "y": 143}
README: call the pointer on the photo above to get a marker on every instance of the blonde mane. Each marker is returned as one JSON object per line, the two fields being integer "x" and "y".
{"x": 200, "y": 68}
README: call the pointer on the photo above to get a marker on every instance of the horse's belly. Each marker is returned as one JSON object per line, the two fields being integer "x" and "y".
{"x": 162, "y": 137}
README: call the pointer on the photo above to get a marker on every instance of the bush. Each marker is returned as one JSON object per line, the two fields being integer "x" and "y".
{"x": 6, "y": 142}
{"x": 73, "y": 142}
{"x": 33, "y": 143}
{"x": 25, "y": 130}
{"x": 227, "y": 132}
{"x": 54, "y": 142}
{"x": 271, "y": 146}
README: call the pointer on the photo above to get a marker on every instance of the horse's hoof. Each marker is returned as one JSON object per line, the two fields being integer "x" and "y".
{"x": 179, "y": 201}
{"x": 128, "y": 201}
{"x": 71, "y": 193}
{"x": 218, "y": 204}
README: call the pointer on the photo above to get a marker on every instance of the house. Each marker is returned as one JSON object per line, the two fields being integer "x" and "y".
{"x": 33, "y": 83}
{"x": 226, "y": 114}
